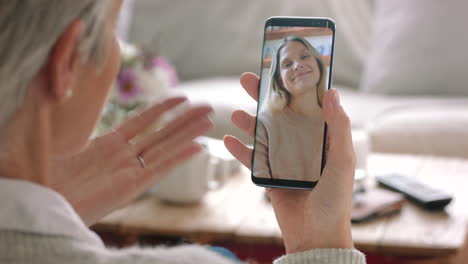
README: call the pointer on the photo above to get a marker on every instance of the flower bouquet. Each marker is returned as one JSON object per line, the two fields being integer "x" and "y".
{"x": 143, "y": 78}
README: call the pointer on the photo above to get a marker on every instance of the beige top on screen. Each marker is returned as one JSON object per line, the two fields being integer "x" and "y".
{"x": 288, "y": 146}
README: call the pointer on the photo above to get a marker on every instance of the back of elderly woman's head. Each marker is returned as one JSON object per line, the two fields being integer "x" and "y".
{"x": 29, "y": 30}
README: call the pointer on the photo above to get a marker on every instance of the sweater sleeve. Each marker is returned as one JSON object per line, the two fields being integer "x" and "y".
{"x": 19, "y": 247}
{"x": 324, "y": 256}
{"x": 187, "y": 254}
{"x": 261, "y": 166}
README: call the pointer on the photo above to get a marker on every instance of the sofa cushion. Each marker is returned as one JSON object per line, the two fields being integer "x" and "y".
{"x": 431, "y": 129}
{"x": 419, "y": 48}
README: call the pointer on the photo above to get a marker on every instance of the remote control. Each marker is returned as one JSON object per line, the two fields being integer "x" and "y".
{"x": 422, "y": 194}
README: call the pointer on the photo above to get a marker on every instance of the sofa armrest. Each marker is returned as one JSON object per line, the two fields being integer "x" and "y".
{"x": 439, "y": 130}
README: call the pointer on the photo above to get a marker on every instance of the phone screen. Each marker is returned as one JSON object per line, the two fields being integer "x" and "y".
{"x": 290, "y": 130}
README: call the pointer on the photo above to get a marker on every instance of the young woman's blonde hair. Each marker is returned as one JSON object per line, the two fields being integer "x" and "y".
{"x": 278, "y": 96}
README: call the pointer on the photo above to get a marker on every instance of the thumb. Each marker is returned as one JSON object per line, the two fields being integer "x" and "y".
{"x": 340, "y": 153}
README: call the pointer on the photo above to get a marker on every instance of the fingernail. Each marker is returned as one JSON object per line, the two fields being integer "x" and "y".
{"x": 336, "y": 98}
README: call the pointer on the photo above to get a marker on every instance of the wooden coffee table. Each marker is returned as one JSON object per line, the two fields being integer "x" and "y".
{"x": 239, "y": 213}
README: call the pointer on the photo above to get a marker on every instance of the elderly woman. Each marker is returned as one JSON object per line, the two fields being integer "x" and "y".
{"x": 58, "y": 59}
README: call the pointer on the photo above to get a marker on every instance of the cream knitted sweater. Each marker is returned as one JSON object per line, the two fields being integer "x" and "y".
{"x": 37, "y": 225}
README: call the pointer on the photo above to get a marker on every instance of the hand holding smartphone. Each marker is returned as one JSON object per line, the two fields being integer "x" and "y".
{"x": 290, "y": 134}
{"x": 308, "y": 219}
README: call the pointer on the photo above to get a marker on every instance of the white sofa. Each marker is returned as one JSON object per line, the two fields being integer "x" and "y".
{"x": 394, "y": 81}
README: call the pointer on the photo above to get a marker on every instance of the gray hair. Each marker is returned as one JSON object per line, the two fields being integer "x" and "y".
{"x": 28, "y": 31}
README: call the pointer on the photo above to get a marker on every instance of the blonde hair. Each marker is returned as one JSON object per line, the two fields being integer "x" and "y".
{"x": 30, "y": 30}
{"x": 278, "y": 96}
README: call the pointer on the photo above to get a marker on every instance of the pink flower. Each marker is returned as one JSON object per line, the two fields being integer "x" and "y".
{"x": 162, "y": 63}
{"x": 127, "y": 85}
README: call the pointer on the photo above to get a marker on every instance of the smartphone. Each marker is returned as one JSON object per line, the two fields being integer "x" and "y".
{"x": 374, "y": 203}
{"x": 290, "y": 133}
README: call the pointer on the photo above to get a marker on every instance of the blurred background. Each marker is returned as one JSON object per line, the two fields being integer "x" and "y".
{"x": 401, "y": 69}
{"x": 391, "y": 57}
